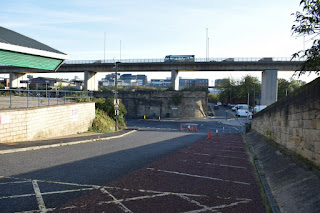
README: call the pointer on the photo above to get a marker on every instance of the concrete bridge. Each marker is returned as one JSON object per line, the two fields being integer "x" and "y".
{"x": 268, "y": 66}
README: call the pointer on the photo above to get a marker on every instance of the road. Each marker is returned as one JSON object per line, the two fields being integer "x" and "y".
{"x": 57, "y": 175}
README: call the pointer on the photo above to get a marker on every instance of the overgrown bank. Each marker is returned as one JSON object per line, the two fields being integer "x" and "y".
{"x": 104, "y": 121}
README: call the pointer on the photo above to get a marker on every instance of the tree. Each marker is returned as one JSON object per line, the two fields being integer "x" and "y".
{"x": 287, "y": 87}
{"x": 308, "y": 23}
{"x": 213, "y": 98}
{"x": 283, "y": 87}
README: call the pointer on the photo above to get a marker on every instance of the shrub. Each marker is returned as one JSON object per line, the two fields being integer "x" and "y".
{"x": 102, "y": 122}
{"x": 108, "y": 107}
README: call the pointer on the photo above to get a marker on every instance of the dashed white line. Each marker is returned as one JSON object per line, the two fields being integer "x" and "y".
{"x": 197, "y": 176}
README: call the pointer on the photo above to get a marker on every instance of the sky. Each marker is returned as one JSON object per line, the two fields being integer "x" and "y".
{"x": 152, "y": 29}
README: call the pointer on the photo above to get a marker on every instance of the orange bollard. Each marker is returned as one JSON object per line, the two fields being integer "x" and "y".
{"x": 180, "y": 127}
{"x": 217, "y": 132}
{"x": 209, "y": 134}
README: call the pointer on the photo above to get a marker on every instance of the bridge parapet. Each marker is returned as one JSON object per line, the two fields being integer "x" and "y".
{"x": 161, "y": 60}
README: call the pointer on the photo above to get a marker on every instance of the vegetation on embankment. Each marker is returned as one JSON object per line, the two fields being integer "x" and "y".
{"x": 104, "y": 121}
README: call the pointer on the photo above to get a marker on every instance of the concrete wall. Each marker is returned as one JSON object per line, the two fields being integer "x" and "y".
{"x": 294, "y": 122}
{"x": 171, "y": 104}
{"x": 45, "y": 122}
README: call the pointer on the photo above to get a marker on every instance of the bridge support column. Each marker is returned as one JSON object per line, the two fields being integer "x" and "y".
{"x": 15, "y": 78}
{"x": 90, "y": 81}
{"x": 175, "y": 79}
{"x": 269, "y": 87}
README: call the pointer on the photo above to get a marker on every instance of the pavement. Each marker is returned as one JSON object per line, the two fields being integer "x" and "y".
{"x": 61, "y": 141}
{"x": 294, "y": 185}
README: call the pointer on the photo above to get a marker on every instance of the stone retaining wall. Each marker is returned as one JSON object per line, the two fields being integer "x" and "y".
{"x": 294, "y": 122}
{"x": 45, "y": 122}
{"x": 173, "y": 104}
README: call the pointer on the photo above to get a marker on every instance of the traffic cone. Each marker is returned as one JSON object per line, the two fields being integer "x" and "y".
{"x": 217, "y": 132}
{"x": 209, "y": 134}
{"x": 180, "y": 127}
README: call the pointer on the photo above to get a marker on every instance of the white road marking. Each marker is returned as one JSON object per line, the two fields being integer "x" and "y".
{"x": 24, "y": 181}
{"x": 135, "y": 198}
{"x": 201, "y": 154}
{"x": 216, "y": 164}
{"x": 184, "y": 196}
{"x": 42, "y": 206}
{"x": 230, "y": 147}
{"x": 217, "y": 155}
{"x": 231, "y": 151}
{"x": 115, "y": 200}
{"x": 237, "y": 167}
{"x": 220, "y": 206}
{"x": 195, "y": 202}
{"x": 197, "y": 176}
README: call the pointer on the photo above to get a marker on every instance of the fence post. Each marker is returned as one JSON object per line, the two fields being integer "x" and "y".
{"x": 10, "y": 99}
{"x": 28, "y": 100}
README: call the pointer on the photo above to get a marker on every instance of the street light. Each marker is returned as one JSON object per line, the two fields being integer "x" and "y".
{"x": 254, "y": 94}
{"x": 115, "y": 95}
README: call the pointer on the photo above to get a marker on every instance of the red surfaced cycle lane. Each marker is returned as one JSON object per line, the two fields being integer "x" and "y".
{"x": 209, "y": 176}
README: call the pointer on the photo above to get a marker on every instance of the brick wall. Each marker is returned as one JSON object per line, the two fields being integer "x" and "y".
{"x": 45, "y": 122}
{"x": 294, "y": 122}
{"x": 162, "y": 103}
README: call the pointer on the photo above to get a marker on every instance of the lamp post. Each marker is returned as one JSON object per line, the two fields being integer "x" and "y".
{"x": 116, "y": 95}
{"x": 254, "y": 94}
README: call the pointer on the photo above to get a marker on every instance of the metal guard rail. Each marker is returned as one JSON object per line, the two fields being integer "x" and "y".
{"x": 19, "y": 98}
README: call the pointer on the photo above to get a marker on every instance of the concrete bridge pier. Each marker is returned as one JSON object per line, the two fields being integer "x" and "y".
{"x": 90, "y": 81}
{"x": 175, "y": 79}
{"x": 269, "y": 87}
{"x": 15, "y": 78}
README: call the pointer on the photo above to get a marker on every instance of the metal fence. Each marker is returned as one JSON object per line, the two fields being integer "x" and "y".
{"x": 18, "y": 98}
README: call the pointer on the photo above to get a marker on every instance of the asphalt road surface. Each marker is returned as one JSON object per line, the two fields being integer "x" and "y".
{"x": 48, "y": 178}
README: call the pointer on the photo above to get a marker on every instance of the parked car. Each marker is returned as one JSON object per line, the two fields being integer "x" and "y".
{"x": 219, "y": 103}
{"x": 243, "y": 113}
{"x": 240, "y": 106}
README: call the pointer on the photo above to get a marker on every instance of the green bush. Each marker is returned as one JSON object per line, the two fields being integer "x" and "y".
{"x": 108, "y": 107}
{"x": 213, "y": 98}
{"x": 102, "y": 122}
